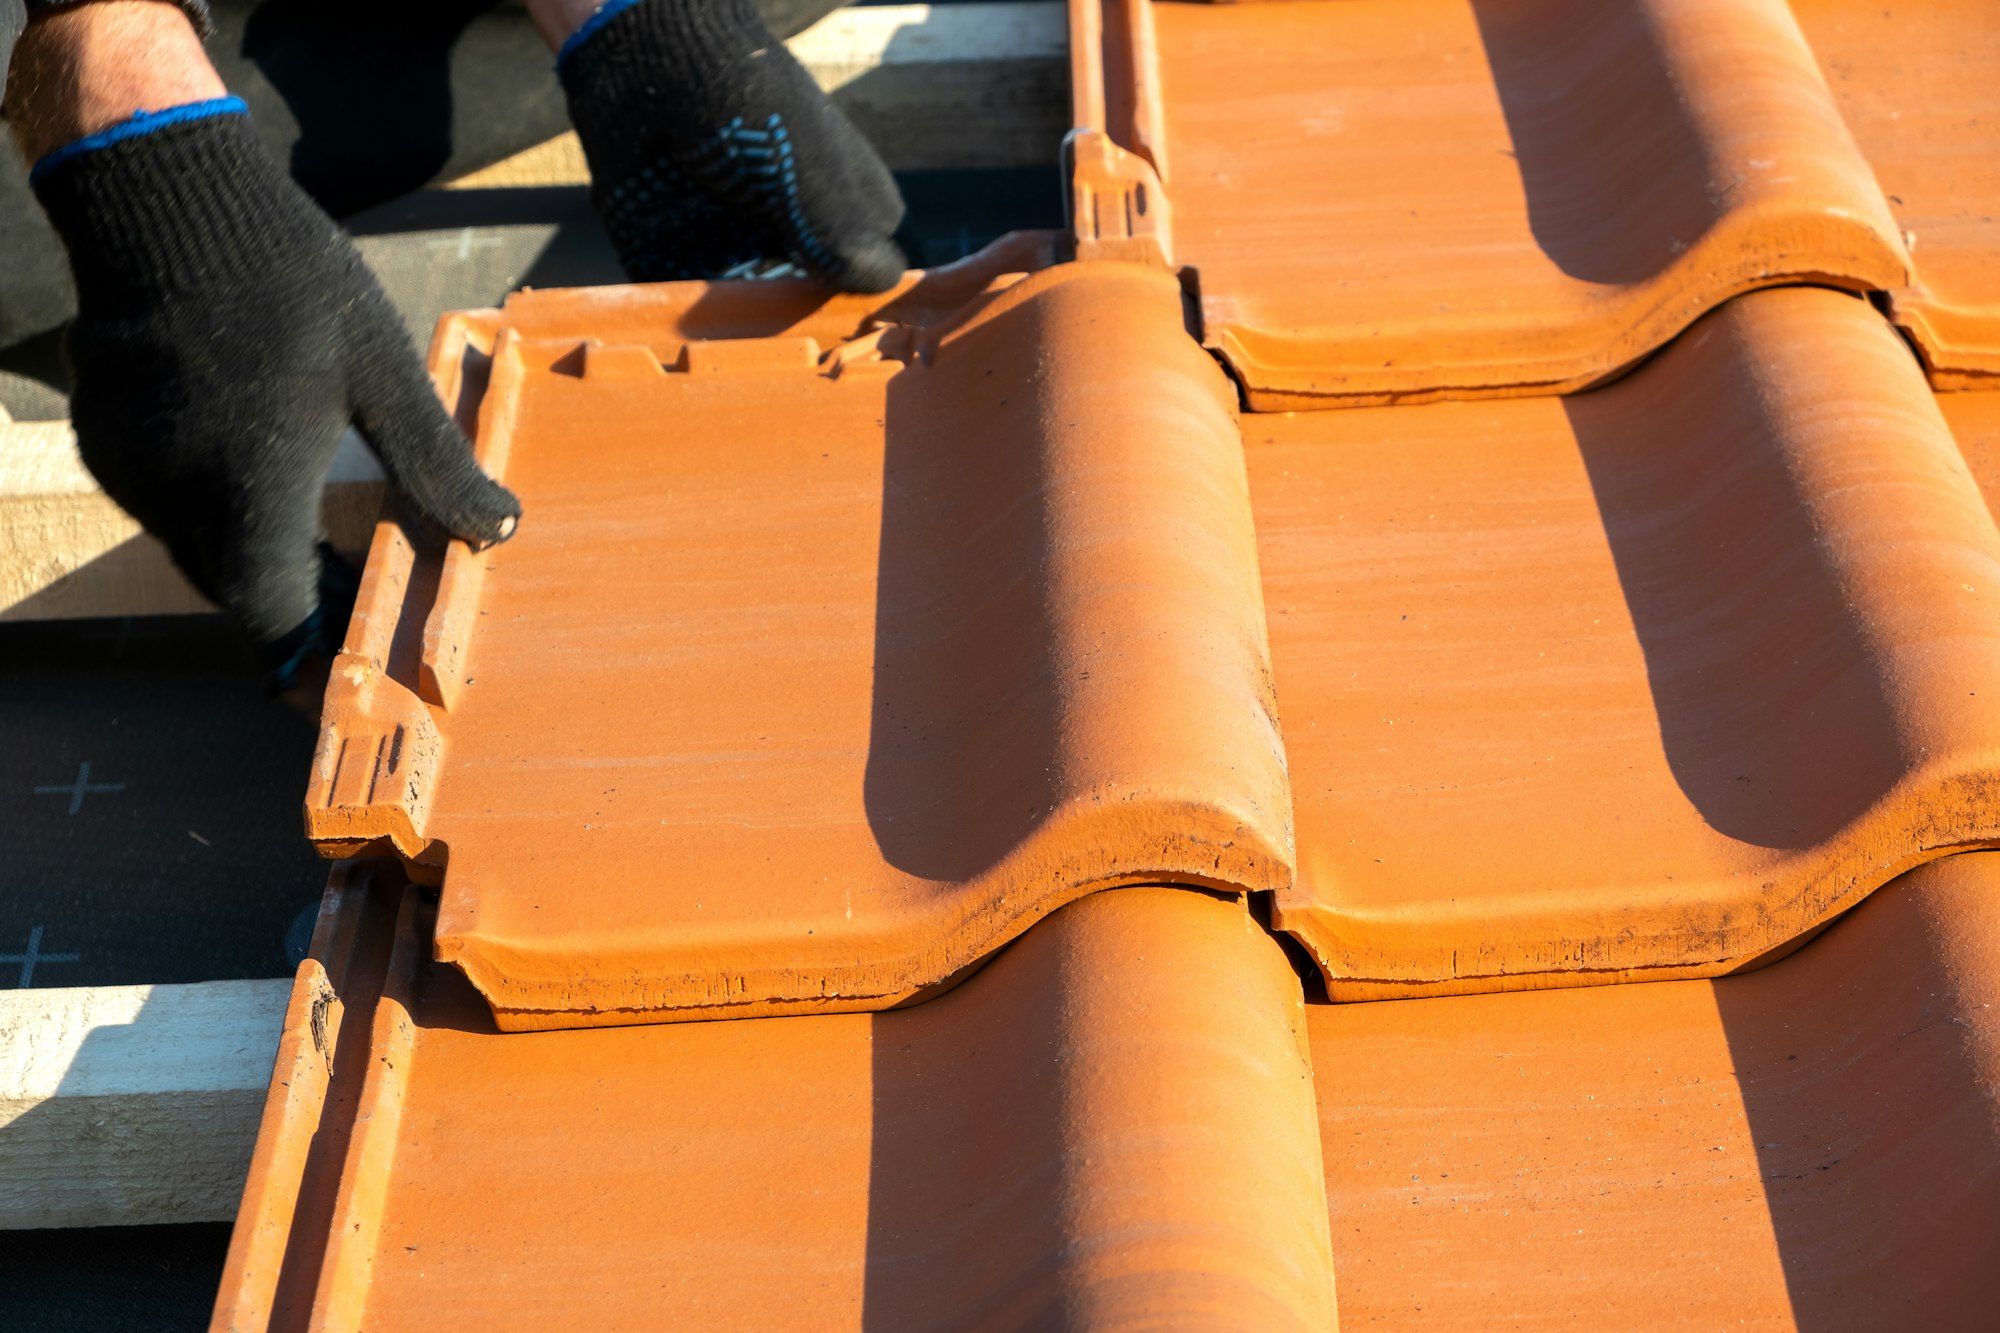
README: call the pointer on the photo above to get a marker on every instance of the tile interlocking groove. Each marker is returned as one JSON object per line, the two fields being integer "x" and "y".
{"x": 1395, "y": 200}
{"x": 1644, "y": 682}
{"x": 807, "y": 686}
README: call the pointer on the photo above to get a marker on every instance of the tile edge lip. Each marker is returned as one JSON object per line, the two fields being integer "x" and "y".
{"x": 1279, "y": 377}
{"x": 493, "y": 967}
{"x": 1349, "y": 977}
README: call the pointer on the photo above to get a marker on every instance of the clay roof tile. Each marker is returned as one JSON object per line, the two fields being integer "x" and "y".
{"x": 811, "y": 684}
{"x": 1645, "y": 682}
{"x": 1110, "y": 1126}
{"x": 851, "y": 645}
{"x": 1919, "y": 87}
{"x": 1398, "y": 200}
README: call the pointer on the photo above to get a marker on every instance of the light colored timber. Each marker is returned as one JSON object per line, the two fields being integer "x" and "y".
{"x": 126, "y": 1105}
{"x": 982, "y": 85}
{"x": 67, "y": 551}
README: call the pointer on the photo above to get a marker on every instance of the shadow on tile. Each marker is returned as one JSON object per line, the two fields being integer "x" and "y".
{"x": 963, "y": 649}
{"x": 1868, "y": 1067}
{"x": 965, "y": 1206}
{"x": 1604, "y": 151}
{"x": 1751, "y": 650}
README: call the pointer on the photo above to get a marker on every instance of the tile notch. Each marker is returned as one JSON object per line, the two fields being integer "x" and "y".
{"x": 376, "y": 762}
{"x": 375, "y": 768}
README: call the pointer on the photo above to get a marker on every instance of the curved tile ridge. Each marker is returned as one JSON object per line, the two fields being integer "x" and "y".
{"x": 809, "y": 682}
{"x": 1643, "y": 683}
{"x": 1920, "y": 87}
{"x": 1110, "y": 1127}
{"x": 1404, "y": 200}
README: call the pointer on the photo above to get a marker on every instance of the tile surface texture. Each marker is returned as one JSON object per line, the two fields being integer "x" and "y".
{"x": 1110, "y": 1126}
{"x": 1919, "y": 85}
{"x": 1807, "y": 1146}
{"x": 810, "y": 683}
{"x": 1975, "y": 422}
{"x": 1643, "y": 682}
{"x": 1394, "y": 200}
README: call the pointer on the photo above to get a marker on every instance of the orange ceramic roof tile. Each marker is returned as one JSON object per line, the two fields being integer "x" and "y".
{"x": 1811, "y": 1145}
{"x": 1919, "y": 84}
{"x": 1975, "y": 422}
{"x": 1108, "y": 1127}
{"x": 309, "y": 1110}
{"x": 1639, "y": 683}
{"x": 810, "y": 680}
{"x": 1394, "y": 200}
{"x": 1063, "y": 1139}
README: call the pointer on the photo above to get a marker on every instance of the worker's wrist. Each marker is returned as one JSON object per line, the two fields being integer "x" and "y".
{"x": 137, "y": 126}
{"x": 82, "y": 69}
{"x": 560, "y": 20}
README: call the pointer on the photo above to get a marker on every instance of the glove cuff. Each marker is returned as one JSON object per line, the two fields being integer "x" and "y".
{"x": 175, "y": 200}
{"x": 627, "y": 44}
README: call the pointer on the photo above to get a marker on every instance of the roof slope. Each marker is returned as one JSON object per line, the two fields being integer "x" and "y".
{"x": 853, "y": 643}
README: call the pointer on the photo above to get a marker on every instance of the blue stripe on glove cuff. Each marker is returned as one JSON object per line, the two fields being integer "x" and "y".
{"x": 604, "y": 13}
{"x": 141, "y": 123}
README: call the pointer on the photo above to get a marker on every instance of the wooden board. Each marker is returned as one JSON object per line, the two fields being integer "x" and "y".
{"x": 68, "y": 552}
{"x": 123, "y": 1105}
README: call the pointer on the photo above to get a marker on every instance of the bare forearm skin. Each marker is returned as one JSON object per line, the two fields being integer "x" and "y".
{"x": 555, "y": 20}
{"x": 87, "y": 67}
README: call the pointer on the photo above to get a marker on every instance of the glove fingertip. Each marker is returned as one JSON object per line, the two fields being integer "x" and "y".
{"x": 473, "y": 509}
{"x": 499, "y": 521}
{"x": 470, "y": 506}
{"x": 432, "y": 468}
{"x": 872, "y": 268}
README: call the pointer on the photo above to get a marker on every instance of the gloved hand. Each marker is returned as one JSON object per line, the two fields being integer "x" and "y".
{"x": 227, "y": 334}
{"x": 709, "y": 146}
